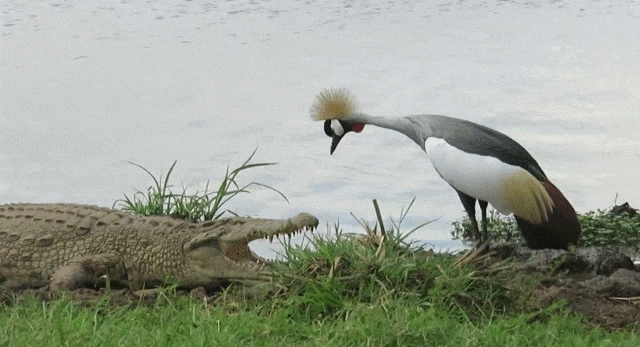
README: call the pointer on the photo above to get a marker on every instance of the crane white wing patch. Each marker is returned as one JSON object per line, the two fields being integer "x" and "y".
{"x": 508, "y": 188}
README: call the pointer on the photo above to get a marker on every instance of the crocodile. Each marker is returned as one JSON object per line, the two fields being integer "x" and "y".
{"x": 70, "y": 246}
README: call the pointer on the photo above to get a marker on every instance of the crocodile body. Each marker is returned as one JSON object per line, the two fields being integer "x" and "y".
{"x": 71, "y": 246}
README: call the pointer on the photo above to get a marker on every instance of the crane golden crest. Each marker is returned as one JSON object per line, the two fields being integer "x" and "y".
{"x": 333, "y": 104}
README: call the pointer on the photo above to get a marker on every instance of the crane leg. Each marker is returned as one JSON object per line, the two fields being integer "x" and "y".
{"x": 469, "y": 204}
{"x": 483, "y": 207}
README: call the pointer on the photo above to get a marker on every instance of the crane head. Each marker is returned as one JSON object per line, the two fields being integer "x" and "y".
{"x": 334, "y": 106}
{"x": 336, "y": 129}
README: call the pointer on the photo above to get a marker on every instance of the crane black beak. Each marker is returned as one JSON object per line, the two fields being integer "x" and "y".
{"x": 335, "y": 138}
{"x": 336, "y": 129}
{"x": 334, "y": 142}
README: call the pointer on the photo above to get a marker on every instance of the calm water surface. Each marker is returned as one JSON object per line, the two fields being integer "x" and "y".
{"x": 88, "y": 86}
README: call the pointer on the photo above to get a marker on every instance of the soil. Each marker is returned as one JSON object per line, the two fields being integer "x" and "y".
{"x": 600, "y": 283}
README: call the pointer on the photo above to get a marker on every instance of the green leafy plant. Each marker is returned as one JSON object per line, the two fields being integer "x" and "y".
{"x": 159, "y": 199}
{"x": 499, "y": 227}
{"x": 601, "y": 228}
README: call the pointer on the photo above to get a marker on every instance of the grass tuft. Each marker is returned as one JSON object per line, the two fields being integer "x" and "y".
{"x": 324, "y": 279}
{"x": 160, "y": 200}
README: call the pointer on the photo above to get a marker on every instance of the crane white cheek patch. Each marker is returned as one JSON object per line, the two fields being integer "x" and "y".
{"x": 337, "y": 127}
{"x": 508, "y": 188}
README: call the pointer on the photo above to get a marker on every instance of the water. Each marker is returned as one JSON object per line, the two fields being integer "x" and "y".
{"x": 88, "y": 86}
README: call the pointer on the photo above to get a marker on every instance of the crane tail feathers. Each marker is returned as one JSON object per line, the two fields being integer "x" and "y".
{"x": 560, "y": 230}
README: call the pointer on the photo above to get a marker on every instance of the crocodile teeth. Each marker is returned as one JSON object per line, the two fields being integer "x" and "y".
{"x": 270, "y": 238}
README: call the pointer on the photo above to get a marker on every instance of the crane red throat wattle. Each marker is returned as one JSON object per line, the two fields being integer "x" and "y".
{"x": 357, "y": 127}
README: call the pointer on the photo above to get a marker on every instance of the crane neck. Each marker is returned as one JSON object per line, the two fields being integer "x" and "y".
{"x": 418, "y": 132}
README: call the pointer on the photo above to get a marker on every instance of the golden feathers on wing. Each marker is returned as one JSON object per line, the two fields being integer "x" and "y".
{"x": 333, "y": 104}
{"x": 527, "y": 197}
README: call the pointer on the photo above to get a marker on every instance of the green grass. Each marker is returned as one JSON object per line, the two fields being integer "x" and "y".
{"x": 189, "y": 322}
{"x": 308, "y": 315}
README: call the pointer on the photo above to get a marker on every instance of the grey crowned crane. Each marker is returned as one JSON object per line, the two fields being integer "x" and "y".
{"x": 478, "y": 162}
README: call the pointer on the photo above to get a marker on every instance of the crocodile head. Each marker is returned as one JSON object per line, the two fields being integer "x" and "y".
{"x": 221, "y": 251}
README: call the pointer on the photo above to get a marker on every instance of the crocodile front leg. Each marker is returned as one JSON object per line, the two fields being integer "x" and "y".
{"x": 86, "y": 271}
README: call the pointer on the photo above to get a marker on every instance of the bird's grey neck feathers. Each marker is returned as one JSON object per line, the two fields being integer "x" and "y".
{"x": 415, "y": 127}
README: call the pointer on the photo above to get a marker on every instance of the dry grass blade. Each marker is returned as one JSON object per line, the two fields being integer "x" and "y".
{"x": 475, "y": 255}
{"x": 632, "y": 300}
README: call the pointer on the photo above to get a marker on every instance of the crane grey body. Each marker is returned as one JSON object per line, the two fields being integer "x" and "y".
{"x": 465, "y": 135}
{"x": 478, "y": 162}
